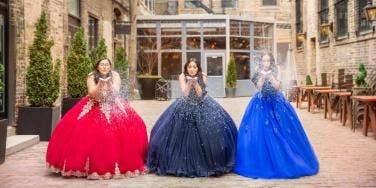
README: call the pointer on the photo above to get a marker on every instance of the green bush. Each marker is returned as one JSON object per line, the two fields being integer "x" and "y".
{"x": 78, "y": 66}
{"x": 121, "y": 66}
{"x": 308, "y": 80}
{"x": 362, "y": 74}
{"x": 2, "y": 85}
{"x": 42, "y": 79}
{"x": 121, "y": 63}
{"x": 98, "y": 52}
{"x": 231, "y": 73}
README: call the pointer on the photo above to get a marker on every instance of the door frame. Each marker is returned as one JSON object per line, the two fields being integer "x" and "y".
{"x": 221, "y": 53}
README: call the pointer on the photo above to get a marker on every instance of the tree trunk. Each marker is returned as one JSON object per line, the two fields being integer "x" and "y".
{"x": 133, "y": 9}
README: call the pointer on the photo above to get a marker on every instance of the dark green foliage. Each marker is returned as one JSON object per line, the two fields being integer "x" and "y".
{"x": 98, "y": 52}
{"x": 42, "y": 79}
{"x": 121, "y": 63}
{"x": 121, "y": 66}
{"x": 1, "y": 81}
{"x": 78, "y": 66}
{"x": 308, "y": 80}
{"x": 362, "y": 74}
{"x": 231, "y": 74}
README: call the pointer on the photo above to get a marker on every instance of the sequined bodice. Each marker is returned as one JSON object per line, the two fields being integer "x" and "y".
{"x": 192, "y": 96}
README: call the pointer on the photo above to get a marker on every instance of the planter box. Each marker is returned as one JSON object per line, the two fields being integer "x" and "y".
{"x": 67, "y": 104}
{"x": 361, "y": 90}
{"x": 3, "y": 138}
{"x": 147, "y": 85}
{"x": 38, "y": 121}
{"x": 230, "y": 92}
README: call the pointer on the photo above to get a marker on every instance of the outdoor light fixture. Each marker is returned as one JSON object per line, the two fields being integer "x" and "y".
{"x": 370, "y": 12}
{"x": 302, "y": 36}
{"x": 325, "y": 28}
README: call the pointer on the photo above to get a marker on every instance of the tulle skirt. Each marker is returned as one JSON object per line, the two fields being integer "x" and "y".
{"x": 193, "y": 140}
{"x": 98, "y": 141}
{"x": 272, "y": 142}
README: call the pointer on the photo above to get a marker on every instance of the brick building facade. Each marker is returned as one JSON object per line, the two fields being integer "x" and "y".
{"x": 97, "y": 17}
{"x": 350, "y": 39}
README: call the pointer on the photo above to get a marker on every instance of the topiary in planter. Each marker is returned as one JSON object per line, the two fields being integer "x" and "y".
{"x": 308, "y": 80}
{"x": 42, "y": 79}
{"x": 42, "y": 87}
{"x": 231, "y": 73}
{"x": 362, "y": 74}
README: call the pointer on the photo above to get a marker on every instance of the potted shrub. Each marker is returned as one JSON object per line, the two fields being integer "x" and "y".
{"x": 3, "y": 122}
{"x": 78, "y": 67}
{"x": 122, "y": 67}
{"x": 360, "y": 81}
{"x": 42, "y": 86}
{"x": 308, "y": 80}
{"x": 231, "y": 77}
{"x": 147, "y": 77}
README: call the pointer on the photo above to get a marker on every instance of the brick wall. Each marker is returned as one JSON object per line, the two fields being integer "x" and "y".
{"x": 316, "y": 58}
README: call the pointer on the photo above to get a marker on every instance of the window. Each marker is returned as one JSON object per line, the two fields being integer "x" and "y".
{"x": 229, "y": 3}
{"x": 269, "y": 2}
{"x": 363, "y": 24}
{"x": 242, "y": 65}
{"x": 299, "y": 21}
{"x": 241, "y": 43}
{"x": 190, "y": 4}
{"x": 323, "y": 18}
{"x": 341, "y": 18}
{"x": 171, "y": 65}
{"x": 74, "y": 8}
{"x": 93, "y": 32}
{"x": 214, "y": 43}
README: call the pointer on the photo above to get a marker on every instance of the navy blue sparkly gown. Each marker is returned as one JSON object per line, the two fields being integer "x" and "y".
{"x": 194, "y": 137}
{"x": 272, "y": 142}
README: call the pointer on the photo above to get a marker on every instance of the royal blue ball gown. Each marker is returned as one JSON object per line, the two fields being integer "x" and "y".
{"x": 271, "y": 140}
{"x": 194, "y": 137}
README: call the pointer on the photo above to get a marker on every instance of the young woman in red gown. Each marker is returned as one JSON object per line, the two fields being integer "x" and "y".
{"x": 101, "y": 137}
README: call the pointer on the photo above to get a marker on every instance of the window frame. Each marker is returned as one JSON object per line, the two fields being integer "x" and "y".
{"x": 342, "y": 31}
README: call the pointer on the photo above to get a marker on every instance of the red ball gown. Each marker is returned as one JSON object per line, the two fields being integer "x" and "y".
{"x": 98, "y": 140}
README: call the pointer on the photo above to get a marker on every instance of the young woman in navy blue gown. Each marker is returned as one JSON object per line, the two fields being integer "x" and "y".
{"x": 195, "y": 136}
{"x": 272, "y": 142}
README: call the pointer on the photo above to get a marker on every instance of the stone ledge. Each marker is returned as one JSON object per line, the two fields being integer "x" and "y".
{"x": 17, "y": 143}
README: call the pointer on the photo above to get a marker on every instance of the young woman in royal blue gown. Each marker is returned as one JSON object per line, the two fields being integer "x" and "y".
{"x": 195, "y": 136}
{"x": 272, "y": 142}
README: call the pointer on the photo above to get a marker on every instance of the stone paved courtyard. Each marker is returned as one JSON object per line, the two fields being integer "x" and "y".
{"x": 347, "y": 159}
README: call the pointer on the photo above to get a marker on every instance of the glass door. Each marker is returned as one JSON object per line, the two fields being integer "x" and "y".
{"x": 214, "y": 67}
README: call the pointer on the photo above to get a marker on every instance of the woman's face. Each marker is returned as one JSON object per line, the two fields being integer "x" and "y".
{"x": 266, "y": 62}
{"x": 192, "y": 68}
{"x": 104, "y": 67}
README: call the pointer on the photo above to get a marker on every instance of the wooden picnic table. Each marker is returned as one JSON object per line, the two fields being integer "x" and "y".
{"x": 369, "y": 111}
{"x": 309, "y": 90}
{"x": 345, "y": 105}
{"x": 327, "y": 103}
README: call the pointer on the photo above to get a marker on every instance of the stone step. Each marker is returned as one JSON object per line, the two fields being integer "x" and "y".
{"x": 17, "y": 143}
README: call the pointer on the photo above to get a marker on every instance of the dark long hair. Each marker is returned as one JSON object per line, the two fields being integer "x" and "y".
{"x": 97, "y": 74}
{"x": 194, "y": 60}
